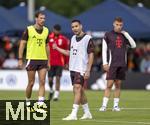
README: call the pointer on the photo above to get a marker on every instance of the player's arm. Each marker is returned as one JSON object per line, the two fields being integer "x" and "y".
{"x": 66, "y": 47}
{"x": 22, "y": 45}
{"x": 48, "y": 51}
{"x": 129, "y": 38}
{"x": 104, "y": 55}
{"x": 63, "y": 51}
{"x": 90, "y": 51}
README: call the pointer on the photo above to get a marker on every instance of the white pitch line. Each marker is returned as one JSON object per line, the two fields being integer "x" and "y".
{"x": 103, "y": 121}
{"x": 66, "y": 109}
{"x": 125, "y": 122}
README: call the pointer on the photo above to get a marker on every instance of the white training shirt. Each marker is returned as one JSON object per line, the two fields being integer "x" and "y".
{"x": 78, "y": 54}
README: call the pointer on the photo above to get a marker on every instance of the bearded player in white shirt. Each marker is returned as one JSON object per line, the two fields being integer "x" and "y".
{"x": 81, "y": 59}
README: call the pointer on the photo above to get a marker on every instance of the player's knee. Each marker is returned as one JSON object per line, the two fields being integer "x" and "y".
{"x": 42, "y": 82}
{"x": 77, "y": 87}
{"x": 31, "y": 83}
{"x": 117, "y": 86}
{"x": 109, "y": 87}
{"x": 57, "y": 78}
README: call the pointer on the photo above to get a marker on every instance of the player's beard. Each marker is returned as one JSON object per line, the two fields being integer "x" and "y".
{"x": 78, "y": 33}
{"x": 41, "y": 24}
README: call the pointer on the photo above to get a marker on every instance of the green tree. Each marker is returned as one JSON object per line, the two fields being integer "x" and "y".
{"x": 68, "y": 8}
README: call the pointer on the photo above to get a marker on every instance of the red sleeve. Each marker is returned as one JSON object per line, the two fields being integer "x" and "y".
{"x": 66, "y": 47}
{"x": 66, "y": 43}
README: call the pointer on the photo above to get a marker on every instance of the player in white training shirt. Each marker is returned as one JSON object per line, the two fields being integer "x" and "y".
{"x": 81, "y": 59}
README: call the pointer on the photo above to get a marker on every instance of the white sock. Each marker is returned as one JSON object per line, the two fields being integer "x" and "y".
{"x": 51, "y": 90}
{"x": 75, "y": 109}
{"x": 105, "y": 101}
{"x": 86, "y": 108}
{"x": 41, "y": 100}
{"x": 28, "y": 101}
{"x": 56, "y": 94}
{"x": 116, "y": 102}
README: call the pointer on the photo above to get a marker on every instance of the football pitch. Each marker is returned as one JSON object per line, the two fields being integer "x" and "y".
{"x": 135, "y": 107}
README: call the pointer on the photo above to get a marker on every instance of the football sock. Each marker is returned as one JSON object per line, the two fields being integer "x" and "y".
{"x": 105, "y": 101}
{"x": 41, "y": 100}
{"x": 28, "y": 101}
{"x": 116, "y": 102}
{"x": 56, "y": 94}
{"x": 85, "y": 108}
{"x": 51, "y": 90}
{"x": 75, "y": 109}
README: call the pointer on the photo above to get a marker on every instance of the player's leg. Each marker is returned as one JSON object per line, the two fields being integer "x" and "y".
{"x": 42, "y": 76}
{"x": 111, "y": 75}
{"x": 84, "y": 103}
{"x": 77, "y": 88}
{"x": 31, "y": 70}
{"x": 119, "y": 77}
{"x": 106, "y": 95}
{"x": 31, "y": 79}
{"x": 41, "y": 93}
{"x": 50, "y": 81}
{"x": 58, "y": 76}
{"x": 51, "y": 74}
{"x": 77, "y": 100}
{"x": 117, "y": 95}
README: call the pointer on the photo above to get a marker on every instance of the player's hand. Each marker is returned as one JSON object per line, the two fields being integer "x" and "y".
{"x": 86, "y": 75}
{"x": 106, "y": 67}
{"x": 66, "y": 67}
{"x": 54, "y": 46}
{"x": 20, "y": 64}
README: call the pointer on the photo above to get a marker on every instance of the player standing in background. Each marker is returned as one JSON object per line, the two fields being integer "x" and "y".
{"x": 115, "y": 45}
{"x": 35, "y": 38}
{"x": 58, "y": 60}
{"x": 80, "y": 63}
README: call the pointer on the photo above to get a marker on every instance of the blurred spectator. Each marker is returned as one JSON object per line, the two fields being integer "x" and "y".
{"x": 2, "y": 56}
{"x": 2, "y": 52}
{"x": 7, "y": 44}
{"x": 145, "y": 63}
{"x": 131, "y": 64}
{"x": 11, "y": 62}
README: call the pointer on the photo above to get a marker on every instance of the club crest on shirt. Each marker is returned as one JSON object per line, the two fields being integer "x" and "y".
{"x": 51, "y": 40}
{"x": 118, "y": 42}
{"x": 60, "y": 42}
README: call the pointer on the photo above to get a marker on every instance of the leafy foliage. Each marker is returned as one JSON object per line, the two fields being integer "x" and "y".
{"x": 68, "y": 8}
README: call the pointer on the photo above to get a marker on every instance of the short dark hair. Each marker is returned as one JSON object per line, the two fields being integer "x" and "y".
{"x": 57, "y": 27}
{"x": 119, "y": 19}
{"x": 37, "y": 13}
{"x": 76, "y": 20}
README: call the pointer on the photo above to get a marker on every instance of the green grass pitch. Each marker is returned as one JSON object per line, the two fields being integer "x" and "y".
{"x": 135, "y": 107}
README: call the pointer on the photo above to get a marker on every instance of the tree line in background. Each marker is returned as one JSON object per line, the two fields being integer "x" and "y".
{"x": 68, "y": 8}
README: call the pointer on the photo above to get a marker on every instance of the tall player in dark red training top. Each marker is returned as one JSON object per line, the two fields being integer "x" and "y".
{"x": 114, "y": 50}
